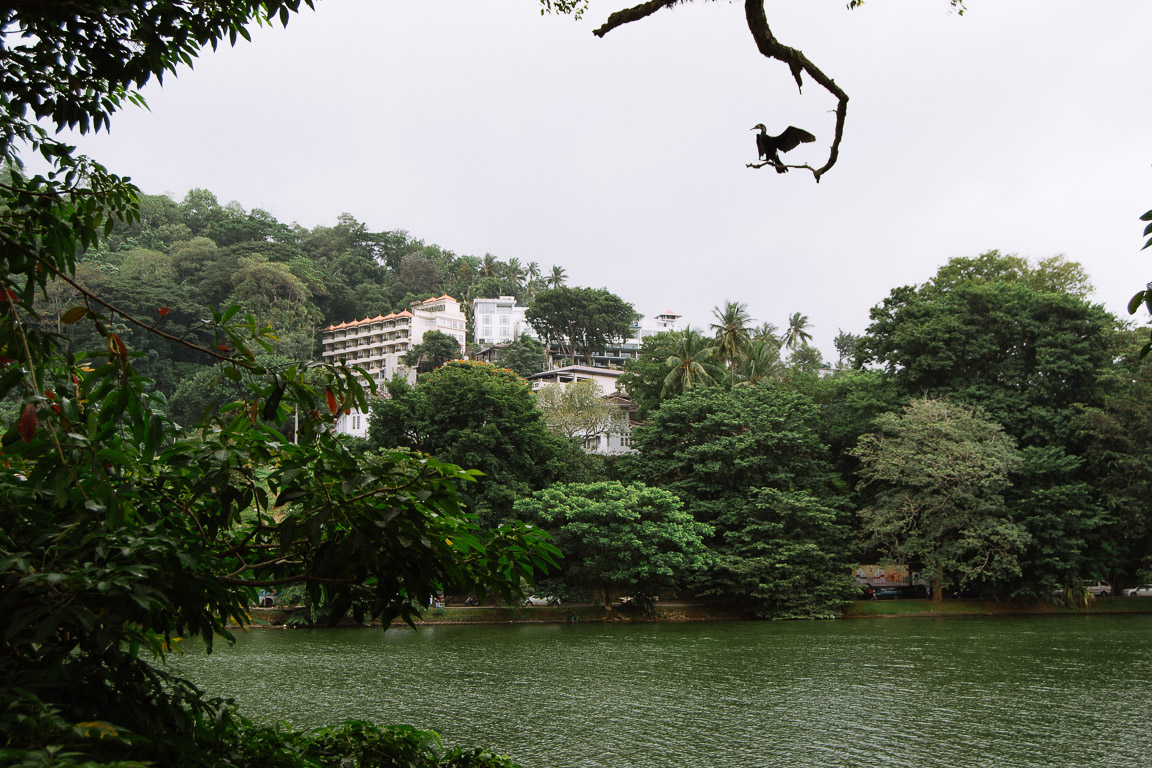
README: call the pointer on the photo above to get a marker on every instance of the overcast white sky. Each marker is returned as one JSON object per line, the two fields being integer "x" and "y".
{"x": 486, "y": 128}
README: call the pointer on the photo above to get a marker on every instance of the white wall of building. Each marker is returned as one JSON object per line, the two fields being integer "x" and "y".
{"x": 498, "y": 321}
{"x": 377, "y": 344}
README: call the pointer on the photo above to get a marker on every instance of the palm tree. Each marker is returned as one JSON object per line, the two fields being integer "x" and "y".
{"x": 489, "y": 266}
{"x": 557, "y": 278}
{"x": 761, "y": 361}
{"x": 765, "y": 332}
{"x": 692, "y": 363}
{"x": 514, "y": 272}
{"x": 533, "y": 270}
{"x": 732, "y": 332}
{"x": 797, "y": 334}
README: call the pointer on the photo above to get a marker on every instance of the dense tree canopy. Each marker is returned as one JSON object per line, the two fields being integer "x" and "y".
{"x": 526, "y": 356}
{"x": 580, "y": 320}
{"x": 1025, "y": 355}
{"x": 478, "y": 416}
{"x": 749, "y": 462}
{"x": 619, "y": 539}
{"x": 940, "y": 473}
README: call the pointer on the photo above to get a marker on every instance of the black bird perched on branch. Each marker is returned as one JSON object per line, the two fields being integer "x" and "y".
{"x": 770, "y": 146}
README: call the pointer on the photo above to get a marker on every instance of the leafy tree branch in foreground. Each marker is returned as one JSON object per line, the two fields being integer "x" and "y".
{"x": 120, "y": 529}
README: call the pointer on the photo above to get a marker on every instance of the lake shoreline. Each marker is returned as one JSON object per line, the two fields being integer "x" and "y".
{"x": 694, "y": 612}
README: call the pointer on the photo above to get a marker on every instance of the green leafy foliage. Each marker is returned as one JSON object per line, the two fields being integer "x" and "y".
{"x": 433, "y": 351}
{"x": 479, "y": 416}
{"x": 120, "y": 529}
{"x": 784, "y": 555}
{"x": 748, "y": 461}
{"x": 526, "y": 356}
{"x": 619, "y": 539}
{"x": 582, "y": 321}
{"x": 940, "y": 473}
{"x": 1144, "y": 297}
{"x": 1025, "y": 356}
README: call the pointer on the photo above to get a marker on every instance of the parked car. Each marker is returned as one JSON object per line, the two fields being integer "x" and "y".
{"x": 1098, "y": 589}
{"x": 1143, "y": 591}
{"x": 546, "y": 600}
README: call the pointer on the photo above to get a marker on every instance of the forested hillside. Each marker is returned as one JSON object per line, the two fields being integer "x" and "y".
{"x": 180, "y": 259}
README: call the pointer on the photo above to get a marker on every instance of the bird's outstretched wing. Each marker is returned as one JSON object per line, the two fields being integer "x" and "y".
{"x": 792, "y": 138}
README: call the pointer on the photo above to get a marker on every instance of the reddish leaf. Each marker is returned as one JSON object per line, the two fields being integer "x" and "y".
{"x": 332, "y": 406}
{"x": 117, "y": 345}
{"x": 223, "y": 348}
{"x": 27, "y": 426}
{"x": 164, "y": 311}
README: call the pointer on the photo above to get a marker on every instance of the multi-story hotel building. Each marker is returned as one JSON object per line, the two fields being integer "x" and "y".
{"x": 376, "y": 344}
{"x": 498, "y": 321}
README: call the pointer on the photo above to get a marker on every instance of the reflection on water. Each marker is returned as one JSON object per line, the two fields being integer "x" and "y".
{"x": 963, "y": 693}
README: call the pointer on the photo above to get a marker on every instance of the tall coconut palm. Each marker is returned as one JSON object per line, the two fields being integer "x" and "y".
{"x": 489, "y": 266}
{"x": 515, "y": 272}
{"x": 761, "y": 361}
{"x": 797, "y": 334}
{"x": 692, "y": 363}
{"x": 732, "y": 333}
{"x": 765, "y": 332}
{"x": 533, "y": 270}
{"x": 558, "y": 277}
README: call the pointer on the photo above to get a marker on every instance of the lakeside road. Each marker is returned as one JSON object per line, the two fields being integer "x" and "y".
{"x": 674, "y": 611}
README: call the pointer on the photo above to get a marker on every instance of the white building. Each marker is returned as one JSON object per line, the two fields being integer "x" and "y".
{"x": 607, "y": 379}
{"x": 498, "y": 321}
{"x": 377, "y": 344}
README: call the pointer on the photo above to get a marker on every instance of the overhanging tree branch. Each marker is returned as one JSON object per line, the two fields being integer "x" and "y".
{"x": 797, "y": 62}
{"x": 770, "y": 47}
{"x": 628, "y": 15}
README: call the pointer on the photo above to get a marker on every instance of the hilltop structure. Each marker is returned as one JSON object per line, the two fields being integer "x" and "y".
{"x": 377, "y": 345}
{"x": 498, "y": 321}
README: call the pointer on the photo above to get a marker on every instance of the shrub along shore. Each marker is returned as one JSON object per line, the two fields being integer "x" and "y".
{"x": 562, "y": 614}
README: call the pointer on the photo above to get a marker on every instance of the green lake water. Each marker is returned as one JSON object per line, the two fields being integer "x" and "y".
{"x": 1044, "y": 692}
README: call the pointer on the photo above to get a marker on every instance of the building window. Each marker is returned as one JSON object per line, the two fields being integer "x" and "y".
{"x": 592, "y": 443}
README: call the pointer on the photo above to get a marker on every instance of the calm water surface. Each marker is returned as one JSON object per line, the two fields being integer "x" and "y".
{"x": 1041, "y": 692}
